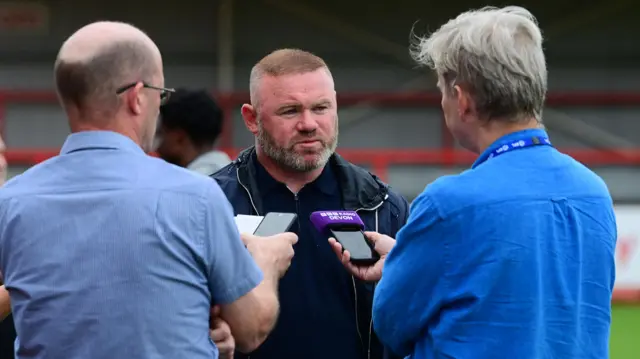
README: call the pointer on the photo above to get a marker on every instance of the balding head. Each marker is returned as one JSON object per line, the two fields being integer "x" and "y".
{"x": 280, "y": 63}
{"x": 97, "y": 60}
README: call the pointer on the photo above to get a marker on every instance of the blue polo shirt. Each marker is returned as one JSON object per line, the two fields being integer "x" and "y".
{"x": 317, "y": 318}
{"x": 110, "y": 253}
{"x": 513, "y": 258}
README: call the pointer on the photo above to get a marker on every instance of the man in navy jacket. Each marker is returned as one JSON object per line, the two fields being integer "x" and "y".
{"x": 325, "y": 312}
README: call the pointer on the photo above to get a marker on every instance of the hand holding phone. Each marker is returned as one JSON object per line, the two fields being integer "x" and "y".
{"x": 382, "y": 245}
{"x": 360, "y": 250}
{"x": 275, "y": 223}
{"x": 346, "y": 227}
{"x": 272, "y": 254}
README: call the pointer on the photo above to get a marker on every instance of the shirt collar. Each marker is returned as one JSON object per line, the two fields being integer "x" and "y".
{"x": 325, "y": 183}
{"x": 211, "y": 157}
{"x": 484, "y": 156}
{"x": 88, "y": 140}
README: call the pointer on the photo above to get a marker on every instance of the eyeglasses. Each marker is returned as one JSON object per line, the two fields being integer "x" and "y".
{"x": 165, "y": 93}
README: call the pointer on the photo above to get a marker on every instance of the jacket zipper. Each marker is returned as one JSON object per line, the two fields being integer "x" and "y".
{"x": 353, "y": 280}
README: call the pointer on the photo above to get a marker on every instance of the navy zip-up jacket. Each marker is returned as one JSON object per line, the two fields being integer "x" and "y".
{"x": 381, "y": 210}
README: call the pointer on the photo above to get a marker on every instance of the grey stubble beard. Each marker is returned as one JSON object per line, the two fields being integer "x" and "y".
{"x": 289, "y": 159}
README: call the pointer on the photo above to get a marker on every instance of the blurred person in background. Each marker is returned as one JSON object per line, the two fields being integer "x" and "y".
{"x": 110, "y": 253}
{"x": 190, "y": 124}
{"x": 293, "y": 167}
{"x": 513, "y": 258}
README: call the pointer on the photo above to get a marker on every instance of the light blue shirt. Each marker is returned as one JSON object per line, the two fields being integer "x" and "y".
{"x": 511, "y": 259}
{"x": 110, "y": 253}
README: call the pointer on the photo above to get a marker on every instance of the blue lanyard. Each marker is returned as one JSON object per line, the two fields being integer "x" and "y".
{"x": 522, "y": 143}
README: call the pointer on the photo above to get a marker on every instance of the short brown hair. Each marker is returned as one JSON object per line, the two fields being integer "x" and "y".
{"x": 283, "y": 62}
{"x": 91, "y": 85}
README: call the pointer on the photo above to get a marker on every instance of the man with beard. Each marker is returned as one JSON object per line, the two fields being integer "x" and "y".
{"x": 325, "y": 312}
{"x": 191, "y": 122}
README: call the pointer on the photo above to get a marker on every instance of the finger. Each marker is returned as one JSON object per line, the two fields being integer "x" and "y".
{"x": 246, "y": 238}
{"x": 346, "y": 258}
{"x": 215, "y": 311}
{"x": 226, "y": 349}
{"x": 286, "y": 236}
{"x": 354, "y": 269}
{"x": 337, "y": 247}
{"x": 373, "y": 237}
{"x": 291, "y": 237}
{"x": 218, "y": 334}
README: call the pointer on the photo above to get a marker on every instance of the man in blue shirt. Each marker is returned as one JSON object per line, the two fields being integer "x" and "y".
{"x": 7, "y": 330}
{"x": 109, "y": 253}
{"x": 513, "y": 258}
{"x": 326, "y": 313}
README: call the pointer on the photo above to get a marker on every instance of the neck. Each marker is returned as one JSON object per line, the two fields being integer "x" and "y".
{"x": 495, "y": 129}
{"x": 84, "y": 125}
{"x": 190, "y": 155}
{"x": 292, "y": 179}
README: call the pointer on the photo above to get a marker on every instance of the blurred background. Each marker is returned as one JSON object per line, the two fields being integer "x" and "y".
{"x": 390, "y": 119}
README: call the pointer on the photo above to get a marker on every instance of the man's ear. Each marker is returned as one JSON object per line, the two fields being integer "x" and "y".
{"x": 250, "y": 117}
{"x": 465, "y": 102}
{"x": 134, "y": 100}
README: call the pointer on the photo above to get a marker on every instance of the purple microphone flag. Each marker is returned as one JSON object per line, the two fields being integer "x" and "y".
{"x": 325, "y": 220}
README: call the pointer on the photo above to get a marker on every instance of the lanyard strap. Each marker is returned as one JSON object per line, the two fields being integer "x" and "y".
{"x": 518, "y": 144}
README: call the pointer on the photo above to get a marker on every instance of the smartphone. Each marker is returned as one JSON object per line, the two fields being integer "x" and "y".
{"x": 360, "y": 249}
{"x": 275, "y": 223}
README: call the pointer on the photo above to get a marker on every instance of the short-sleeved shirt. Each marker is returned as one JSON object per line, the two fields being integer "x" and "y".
{"x": 110, "y": 253}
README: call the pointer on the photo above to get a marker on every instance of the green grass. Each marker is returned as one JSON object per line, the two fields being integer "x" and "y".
{"x": 625, "y": 327}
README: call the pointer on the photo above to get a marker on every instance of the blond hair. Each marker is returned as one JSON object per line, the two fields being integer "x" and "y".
{"x": 283, "y": 62}
{"x": 494, "y": 53}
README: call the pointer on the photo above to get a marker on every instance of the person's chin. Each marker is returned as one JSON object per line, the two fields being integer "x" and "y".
{"x": 308, "y": 154}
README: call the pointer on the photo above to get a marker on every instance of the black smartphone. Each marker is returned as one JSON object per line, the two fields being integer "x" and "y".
{"x": 360, "y": 249}
{"x": 275, "y": 223}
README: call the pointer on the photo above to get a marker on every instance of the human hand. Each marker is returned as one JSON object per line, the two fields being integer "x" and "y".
{"x": 5, "y": 303}
{"x": 220, "y": 333}
{"x": 382, "y": 244}
{"x": 272, "y": 254}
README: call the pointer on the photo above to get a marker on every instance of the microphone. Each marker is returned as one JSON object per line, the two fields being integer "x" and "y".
{"x": 347, "y": 228}
{"x": 324, "y": 221}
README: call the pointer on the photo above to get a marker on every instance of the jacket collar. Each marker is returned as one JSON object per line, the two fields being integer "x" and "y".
{"x": 360, "y": 189}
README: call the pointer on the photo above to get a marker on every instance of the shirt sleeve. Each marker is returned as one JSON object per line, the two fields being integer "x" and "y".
{"x": 412, "y": 287}
{"x": 232, "y": 271}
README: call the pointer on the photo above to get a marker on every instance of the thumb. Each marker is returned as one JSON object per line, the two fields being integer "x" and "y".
{"x": 247, "y": 238}
{"x": 286, "y": 236}
{"x": 292, "y": 237}
{"x": 373, "y": 237}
